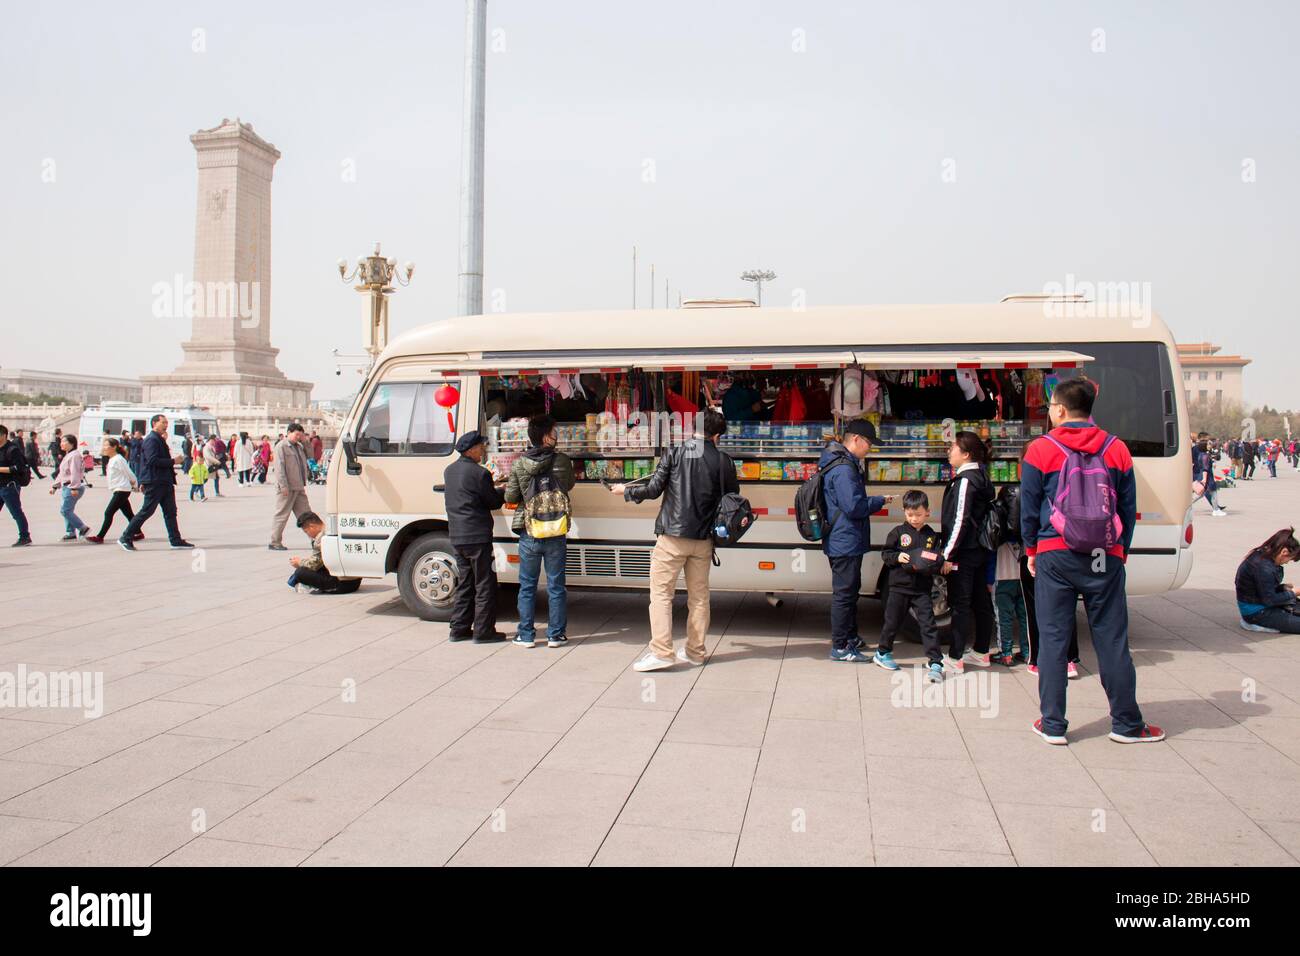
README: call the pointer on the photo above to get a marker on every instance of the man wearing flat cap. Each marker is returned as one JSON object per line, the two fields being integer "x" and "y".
{"x": 848, "y": 509}
{"x": 471, "y": 497}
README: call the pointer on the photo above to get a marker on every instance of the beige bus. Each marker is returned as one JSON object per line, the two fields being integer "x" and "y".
{"x": 623, "y": 385}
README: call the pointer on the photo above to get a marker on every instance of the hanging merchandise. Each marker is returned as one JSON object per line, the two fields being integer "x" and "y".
{"x": 846, "y": 393}
{"x": 969, "y": 383}
{"x": 1034, "y": 398}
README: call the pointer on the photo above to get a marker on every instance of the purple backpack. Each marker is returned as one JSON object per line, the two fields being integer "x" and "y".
{"x": 1085, "y": 512}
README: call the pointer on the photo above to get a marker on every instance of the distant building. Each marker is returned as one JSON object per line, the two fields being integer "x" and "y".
{"x": 1209, "y": 376}
{"x": 82, "y": 389}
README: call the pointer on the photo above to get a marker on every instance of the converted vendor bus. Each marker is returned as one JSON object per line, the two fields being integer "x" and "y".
{"x": 918, "y": 371}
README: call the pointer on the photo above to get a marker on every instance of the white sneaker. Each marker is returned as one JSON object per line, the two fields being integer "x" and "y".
{"x": 649, "y": 662}
{"x": 1218, "y": 514}
{"x": 976, "y": 660}
{"x": 684, "y": 658}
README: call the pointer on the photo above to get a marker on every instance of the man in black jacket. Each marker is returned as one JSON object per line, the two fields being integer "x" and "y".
{"x": 34, "y": 455}
{"x": 692, "y": 477}
{"x": 157, "y": 473}
{"x": 13, "y": 474}
{"x": 470, "y": 498}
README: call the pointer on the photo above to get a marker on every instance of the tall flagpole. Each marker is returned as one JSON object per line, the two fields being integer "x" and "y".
{"x": 470, "y": 298}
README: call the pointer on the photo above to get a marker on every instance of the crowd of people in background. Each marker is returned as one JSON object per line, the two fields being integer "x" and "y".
{"x": 143, "y": 462}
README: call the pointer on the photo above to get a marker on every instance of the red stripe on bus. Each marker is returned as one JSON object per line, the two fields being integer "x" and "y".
{"x": 716, "y": 368}
{"x": 968, "y": 364}
{"x": 607, "y": 371}
{"x": 1065, "y": 365}
{"x": 805, "y": 365}
{"x": 760, "y": 368}
{"x": 1016, "y": 365}
{"x": 570, "y": 371}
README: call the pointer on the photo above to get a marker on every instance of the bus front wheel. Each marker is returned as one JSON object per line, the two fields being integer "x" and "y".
{"x": 426, "y": 577}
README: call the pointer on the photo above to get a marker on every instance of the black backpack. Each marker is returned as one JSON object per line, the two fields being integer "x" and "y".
{"x": 810, "y": 506}
{"x": 993, "y": 529}
{"x": 1008, "y": 503}
{"x": 734, "y": 516}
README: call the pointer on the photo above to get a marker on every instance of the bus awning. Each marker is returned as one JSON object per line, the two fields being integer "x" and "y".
{"x": 971, "y": 358}
{"x": 765, "y": 361}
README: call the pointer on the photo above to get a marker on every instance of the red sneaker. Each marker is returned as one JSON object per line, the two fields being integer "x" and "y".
{"x": 138, "y": 536}
{"x": 94, "y": 539}
{"x": 1149, "y": 734}
{"x": 1054, "y": 739}
{"x": 1033, "y": 669}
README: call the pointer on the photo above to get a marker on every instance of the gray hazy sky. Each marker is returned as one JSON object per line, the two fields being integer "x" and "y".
{"x": 824, "y": 165}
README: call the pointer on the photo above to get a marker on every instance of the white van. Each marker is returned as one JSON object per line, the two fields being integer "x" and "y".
{"x": 113, "y": 418}
{"x": 907, "y": 367}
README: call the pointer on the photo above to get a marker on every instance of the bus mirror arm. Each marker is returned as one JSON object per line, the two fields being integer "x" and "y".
{"x": 350, "y": 452}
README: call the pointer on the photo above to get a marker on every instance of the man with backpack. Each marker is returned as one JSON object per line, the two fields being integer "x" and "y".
{"x": 847, "y": 534}
{"x": 693, "y": 478}
{"x": 1076, "y": 532}
{"x": 539, "y": 483}
{"x": 14, "y": 476}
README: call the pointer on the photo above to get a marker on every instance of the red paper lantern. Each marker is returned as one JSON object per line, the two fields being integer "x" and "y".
{"x": 447, "y": 396}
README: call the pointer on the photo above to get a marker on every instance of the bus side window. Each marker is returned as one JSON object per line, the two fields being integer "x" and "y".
{"x": 387, "y": 421}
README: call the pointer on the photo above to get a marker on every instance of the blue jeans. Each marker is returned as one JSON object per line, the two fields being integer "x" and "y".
{"x": 11, "y": 498}
{"x": 1279, "y": 618}
{"x": 68, "y": 509}
{"x": 533, "y": 553}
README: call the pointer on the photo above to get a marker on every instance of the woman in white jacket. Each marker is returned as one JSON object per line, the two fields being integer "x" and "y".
{"x": 244, "y": 452}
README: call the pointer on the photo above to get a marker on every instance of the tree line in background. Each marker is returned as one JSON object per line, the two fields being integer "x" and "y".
{"x": 1230, "y": 420}
{"x": 18, "y": 398}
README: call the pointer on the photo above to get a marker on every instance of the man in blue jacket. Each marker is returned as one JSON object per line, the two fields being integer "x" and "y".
{"x": 156, "y": 470}
{"x": 848, "y": 509}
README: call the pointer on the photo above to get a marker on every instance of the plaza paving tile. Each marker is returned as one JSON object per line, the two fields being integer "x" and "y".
{"x": 246, "y": 725}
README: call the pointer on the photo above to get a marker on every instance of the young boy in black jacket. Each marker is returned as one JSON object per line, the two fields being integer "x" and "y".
{"x": 912, "y": 555}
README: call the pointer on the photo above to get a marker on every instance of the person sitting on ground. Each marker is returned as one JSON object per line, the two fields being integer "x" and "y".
{"x": 1265, "y": 603}
{"x": 311, "y": 571}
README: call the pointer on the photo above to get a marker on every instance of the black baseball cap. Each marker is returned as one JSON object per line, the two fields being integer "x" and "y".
{"x": 860, "y": 426}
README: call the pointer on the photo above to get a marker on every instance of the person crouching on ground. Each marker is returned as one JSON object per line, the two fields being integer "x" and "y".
{"x": 535, "y": 476}
{"x": 311, "y": 572}
{"x": 1265, "y": 603}
{"x": 692, "y": 477}
{"x": 470, "y": 497}
{"x": 911, "y": 553}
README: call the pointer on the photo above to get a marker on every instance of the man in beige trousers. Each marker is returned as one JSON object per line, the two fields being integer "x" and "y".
{"x": 692, "y": 478}
{"x": 289, "y": 473}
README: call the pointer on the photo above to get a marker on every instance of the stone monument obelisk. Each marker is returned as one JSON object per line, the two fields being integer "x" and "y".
{"x": 229, "y": 359}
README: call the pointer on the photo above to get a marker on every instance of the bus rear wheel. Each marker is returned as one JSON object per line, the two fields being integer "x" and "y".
{"x": 426, "y": 577}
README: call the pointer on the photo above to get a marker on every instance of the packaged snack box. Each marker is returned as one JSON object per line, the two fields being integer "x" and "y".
{"x": 891, "y": 471}
{"x": 770, "y": 471}
{"x": 793, "y": 471}
{"x": 751, "y": 471}
{"x": 873, "y": 469}
{"x": 614, "y": 469}
{"x": 629, "y": 469}
{"x": 740, "y": 469}
{"x": 909, "y": 471}
{"x": 809, "y": 469}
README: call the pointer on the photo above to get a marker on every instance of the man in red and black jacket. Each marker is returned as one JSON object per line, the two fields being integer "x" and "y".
{"x": 1062, "y": 575}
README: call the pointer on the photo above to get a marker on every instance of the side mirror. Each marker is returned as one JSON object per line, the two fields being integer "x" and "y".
{"x": 350, "y": 452}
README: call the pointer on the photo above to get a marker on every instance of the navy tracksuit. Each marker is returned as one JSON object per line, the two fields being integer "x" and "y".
{"x": 1064, "y": 575}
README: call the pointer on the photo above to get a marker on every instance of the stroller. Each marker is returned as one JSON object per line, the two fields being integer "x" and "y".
{"x": 317, "y": 471}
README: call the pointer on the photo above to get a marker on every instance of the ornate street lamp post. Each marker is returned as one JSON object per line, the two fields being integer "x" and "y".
{"x": 758, "y": 277}
{"x": 375, "y": 276}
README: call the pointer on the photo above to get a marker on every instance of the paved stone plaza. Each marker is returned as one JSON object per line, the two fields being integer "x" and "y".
{"x": 226, "y": 739}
